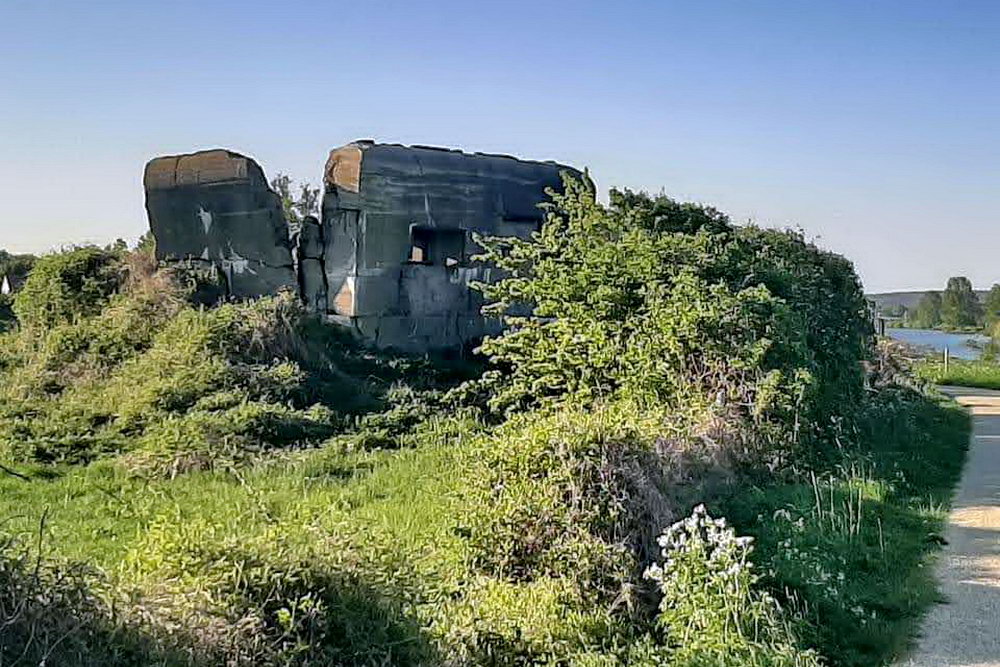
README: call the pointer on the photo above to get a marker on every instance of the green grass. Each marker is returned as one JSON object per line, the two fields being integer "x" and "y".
{"x": 368, "y": 533}
{"x": 243, "y": 485}
{"x": 381, "y": 538}
{"x": 849, "y": 548}
{"x": 961, "y": 373}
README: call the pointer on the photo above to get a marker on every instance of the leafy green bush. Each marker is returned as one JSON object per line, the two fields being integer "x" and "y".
{"x": 65, "y": 286}
{"x": 113, "y": 358}
{"x": 261, "y": 490}
{"x": 674, "y": 305}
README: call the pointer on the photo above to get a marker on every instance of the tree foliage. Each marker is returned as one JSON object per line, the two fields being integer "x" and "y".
{"x": 895, "y": 310}
{"x": 960, "y": 307}
{"x": 296, "y": 206}
{"x": 991, "y": 306}
{"x": 671, "y": 303}
{"x": 16, "y": 266}
{"x": 14, "y": 271}
{"x": 928, "y": 312}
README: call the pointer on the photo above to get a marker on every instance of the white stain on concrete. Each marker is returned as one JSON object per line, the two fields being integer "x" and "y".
{"x": 234, "y": 263}
{"x": 206, "y": 218}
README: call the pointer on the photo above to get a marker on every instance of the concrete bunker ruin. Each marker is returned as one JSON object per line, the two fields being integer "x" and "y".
{"x": 390, "y": 256}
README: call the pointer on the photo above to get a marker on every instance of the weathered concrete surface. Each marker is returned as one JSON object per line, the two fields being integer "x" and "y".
{"x": 390, "y": 257}
{"x": 965, "y": 631}
{"x": 216, "y": 208}
{"x": 309, "y": 252}
{"x": 398, "y": 224}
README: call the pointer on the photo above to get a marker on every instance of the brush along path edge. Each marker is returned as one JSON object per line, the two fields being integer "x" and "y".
{"x": 966, "y": 630}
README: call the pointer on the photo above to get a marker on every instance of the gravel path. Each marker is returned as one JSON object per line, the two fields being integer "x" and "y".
{"x": 966, "y": 630}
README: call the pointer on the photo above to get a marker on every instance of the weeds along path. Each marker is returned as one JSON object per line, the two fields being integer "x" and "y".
{"x": 965, "y": 631}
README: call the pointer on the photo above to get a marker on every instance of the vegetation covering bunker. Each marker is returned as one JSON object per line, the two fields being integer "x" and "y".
{"x": 390, "y": 256}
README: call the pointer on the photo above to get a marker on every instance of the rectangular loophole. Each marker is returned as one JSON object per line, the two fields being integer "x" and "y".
{"x": 430, "y": 245}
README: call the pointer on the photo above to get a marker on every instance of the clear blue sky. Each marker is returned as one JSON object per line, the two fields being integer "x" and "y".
{"x": 875, "y": 126}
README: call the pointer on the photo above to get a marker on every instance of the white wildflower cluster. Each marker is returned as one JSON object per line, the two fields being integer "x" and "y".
{"x": 711, "y": 607}
{"x": 703, "y": 553}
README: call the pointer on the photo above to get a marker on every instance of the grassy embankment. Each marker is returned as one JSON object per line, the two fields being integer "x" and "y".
{"x": 239, "y": 484}
{"x": 852, "y": 543}
{"x": 984, "y": 374}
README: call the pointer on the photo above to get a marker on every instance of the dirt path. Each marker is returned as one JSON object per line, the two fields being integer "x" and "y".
{"x": 966, "y": 630}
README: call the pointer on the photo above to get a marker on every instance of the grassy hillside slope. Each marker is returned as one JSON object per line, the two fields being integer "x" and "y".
{"x": 243, "y": 485}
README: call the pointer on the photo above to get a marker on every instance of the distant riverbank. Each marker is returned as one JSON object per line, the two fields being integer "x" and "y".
{"x": 959, "y": 345}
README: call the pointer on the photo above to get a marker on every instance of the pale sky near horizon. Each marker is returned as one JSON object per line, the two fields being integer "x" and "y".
{"x": 874, "y": 126}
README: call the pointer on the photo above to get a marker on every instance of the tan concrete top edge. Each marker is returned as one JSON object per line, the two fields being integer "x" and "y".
{"x": 210, "y": 166}
{"x": 343, "y": 167}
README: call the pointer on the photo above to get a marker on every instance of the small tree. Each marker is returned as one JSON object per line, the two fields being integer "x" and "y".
{"x": 928, "y": 312}
{"x": 991, "y": 307}
{"x": 296, "y": 207}
{"x": 960, "y": 307}
{"x": 15, "y": 267}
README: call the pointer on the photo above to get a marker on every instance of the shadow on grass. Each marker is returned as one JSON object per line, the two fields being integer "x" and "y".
{"x": 54, "y": 616}
{"x": 51, "y": 616}
{"x": 848, "y": 548}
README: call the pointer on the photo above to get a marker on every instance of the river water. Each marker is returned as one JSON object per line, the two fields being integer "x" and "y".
{"x": 958, "y": 344}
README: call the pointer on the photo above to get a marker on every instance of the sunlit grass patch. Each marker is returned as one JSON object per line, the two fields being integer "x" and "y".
{"x": 961, "y": 373}
{"x": 850, "y": 549}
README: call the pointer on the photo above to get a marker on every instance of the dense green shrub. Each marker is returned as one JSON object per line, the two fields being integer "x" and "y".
{"x": 653, "y": 349}
{"x": 111, "y": 357}
{"x": 674, "y": 305}
{"x": 258, "y": 489}
{"x": 65, "y": 286}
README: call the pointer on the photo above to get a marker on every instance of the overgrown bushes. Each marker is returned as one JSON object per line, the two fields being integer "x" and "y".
{"x": 110, "y": 358}
{"x": 673, "y": 305}
{"x": 255, "y": 488}
{"x": 662, "y": 351}
{"x": 66, "y": 286}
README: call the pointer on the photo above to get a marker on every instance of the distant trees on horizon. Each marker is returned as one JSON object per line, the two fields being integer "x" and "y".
{"x": 956, "y": 307}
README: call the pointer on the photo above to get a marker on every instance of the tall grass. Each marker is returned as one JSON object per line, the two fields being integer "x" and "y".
{"x": 243, "y": 485}
{"x": 984, "y": 374}
{"x": 847, "y": 547}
